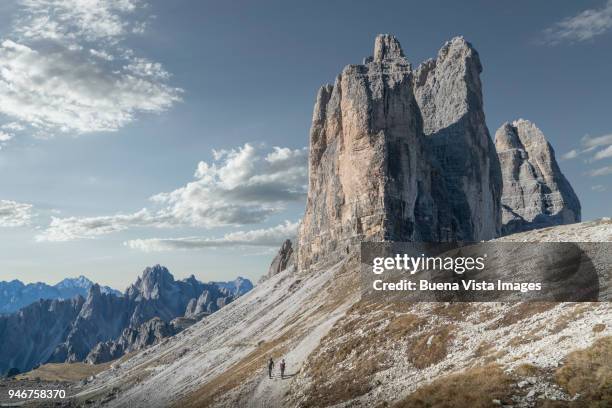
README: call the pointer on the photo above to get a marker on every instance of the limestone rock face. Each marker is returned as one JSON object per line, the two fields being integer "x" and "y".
{"x": 131, "y": 339}
{"x": 283, "y": 259}
{"x": 382, "y": 155}
{"x": 103, "y": 326}
{"x": 29, "y": 336}
{"x": 211, "y": 300}
{"x": 535, "y": 192}
{"x": 449, "y": 93}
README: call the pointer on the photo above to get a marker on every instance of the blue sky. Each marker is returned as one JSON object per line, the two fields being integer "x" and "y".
{"x": 136, "y": 132}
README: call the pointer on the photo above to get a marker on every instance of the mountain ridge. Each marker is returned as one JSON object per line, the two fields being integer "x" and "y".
{"x": 79, "y": 324}
{"x": 16, "y": 294}
{"x": 386, "y": 148}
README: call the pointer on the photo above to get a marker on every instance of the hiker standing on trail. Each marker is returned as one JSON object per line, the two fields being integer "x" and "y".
{"x": 270, "y": 367}
{"x": 282, "y": 368}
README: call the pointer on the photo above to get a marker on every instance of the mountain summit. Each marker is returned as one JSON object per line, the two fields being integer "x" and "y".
{"x": 401, "y": 154}
{"x": 15, "y": 294}
{"x": 395, "y": 154}
{"x": 536, "y": 193}
{"x": 102, "y": 325}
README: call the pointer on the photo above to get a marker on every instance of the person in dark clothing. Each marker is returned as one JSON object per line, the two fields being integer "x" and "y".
{"x": 282, "y": 368}
{"x": 270, "y": 367}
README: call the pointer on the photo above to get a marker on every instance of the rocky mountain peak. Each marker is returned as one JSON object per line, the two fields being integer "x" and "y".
{"x": 94, "y": 291}
{"x": 387, "y": 47}
{"x": 400, "y": 155}
{"x": 507, "y": 137}
{"x": 536, "y": 194}
{"x": 283, "y": 259}
{"x": 154, "y": 282}
{"x": 458, "y": 48}
{"x": 79, "y": 282}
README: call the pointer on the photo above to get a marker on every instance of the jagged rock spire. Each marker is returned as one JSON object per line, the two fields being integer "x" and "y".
{"x": 449, "y": 93}
{"x": 536, "y": 194}
{"x": 387, "y": 47}
{"x": 394, "y": 156}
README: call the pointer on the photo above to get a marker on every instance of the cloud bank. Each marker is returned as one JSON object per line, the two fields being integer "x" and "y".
{"x": 267, "y": 237}
{"x": 64, "y": 69}
{"x": 584, "y": 26}
{"x": 241, "y": 186}
{"x": 599, "y": 148}
{"x": 14, "y": 214}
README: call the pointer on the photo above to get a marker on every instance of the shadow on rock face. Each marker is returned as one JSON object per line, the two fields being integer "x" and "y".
{"x": 569, "y": 274}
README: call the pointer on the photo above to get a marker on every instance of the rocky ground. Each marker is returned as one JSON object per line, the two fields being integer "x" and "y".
{"x": 344, "y": 352}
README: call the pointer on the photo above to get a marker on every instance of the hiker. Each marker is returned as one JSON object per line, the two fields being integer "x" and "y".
{"x": 270, "y": 367}
{"x": 282, "y": 368}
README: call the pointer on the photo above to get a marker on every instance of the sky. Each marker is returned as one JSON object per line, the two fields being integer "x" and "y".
{"x": 137, "y": 132}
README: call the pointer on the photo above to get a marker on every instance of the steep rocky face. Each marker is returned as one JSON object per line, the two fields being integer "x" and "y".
{"x": 392, "y": 159}
{"x": 237, "y": 287}
{"x": 68, "y": 330}
{"x": 535, "y": 192}
{"x": 29, "y": 336}
{"x": 283, "y": 259}
{"x": 449, "y": 93}
{"x": 157, "y": 294}
{"x": 211, "y": 300}
{"x": 132, "y": 339}
{"x": 102, "y": 317}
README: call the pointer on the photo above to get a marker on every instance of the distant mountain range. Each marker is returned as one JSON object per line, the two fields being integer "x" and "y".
{"x": 106, "y": 324}
{"x": 15, "y": 294}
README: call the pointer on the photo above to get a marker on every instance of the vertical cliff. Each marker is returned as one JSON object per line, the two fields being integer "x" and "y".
{"x": 392, "y": 159}
{"x": 535, "y": 194}
{"x": 449, "y": 93}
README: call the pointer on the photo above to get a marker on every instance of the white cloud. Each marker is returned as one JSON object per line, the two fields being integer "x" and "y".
{"x": 101, "y": 54}
{"x": 14, "y": 214}
{"x": 72, "y": 228}
{"x": 603, "y": 171}
{"x": 14, "y": 126}
{"x": 72, "y": 20}
{"x": 63, "y": 68}
{"x": 241, "y": 186}
{"x": 572, "y": 154}
{"x": 5, "y": 137}
{"x": 267, "y": 237}
{"x": 145, "y": 68}
{"x": 601, "y": 145}
{"x": 581, "y": 27}
{"x": 603, "y": 154}
{"x": 592, "y": 142}
{"x": 599, "y": 188}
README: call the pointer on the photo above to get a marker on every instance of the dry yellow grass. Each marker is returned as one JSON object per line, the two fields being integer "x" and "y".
{"x": 64, "y": 371}
{"x": 527, "y": 370}
{"x": 333, "y": 384}
{"x": 520, "y": 312}
{"x": 236, "y": 375}
{"x": 336, "y": 292}
{"x": 457, "y": 312}
{"x": 598, "y": 328}
{"x": 575, "y": 312}
{"x": 431, "y": 347}
{"x": 474, "y": 388}
{"x": 589, "y": 373}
